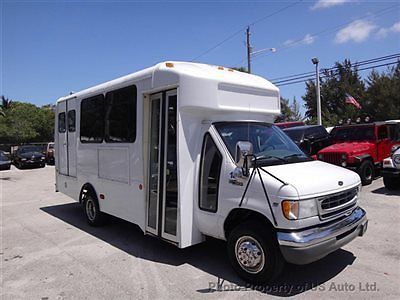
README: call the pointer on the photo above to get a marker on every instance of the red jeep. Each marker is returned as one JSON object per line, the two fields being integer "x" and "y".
{"x": 360, "y": 147}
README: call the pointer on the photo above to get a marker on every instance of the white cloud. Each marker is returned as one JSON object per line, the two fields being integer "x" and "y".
{"x": 357, "y": 31}
{"x": 307, "y": 40}
{"x": 384, "y": 32}
{"x": 328, "y": 3}
{"x": 395, "y": 27}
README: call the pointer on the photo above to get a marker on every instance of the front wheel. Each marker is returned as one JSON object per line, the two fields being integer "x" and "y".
{"x": 254, "y": 253}
{"x": 366, "y": 172}
{"x": 92, "y": 211}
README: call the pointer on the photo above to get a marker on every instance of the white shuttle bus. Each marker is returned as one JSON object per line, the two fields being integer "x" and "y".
{"x": 189, "y": 150}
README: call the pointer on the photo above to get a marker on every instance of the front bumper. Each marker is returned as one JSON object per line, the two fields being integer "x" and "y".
{"x": 390, "y": 173}
{"x": 303, "y": 247}
{"x": 5, "y": 166}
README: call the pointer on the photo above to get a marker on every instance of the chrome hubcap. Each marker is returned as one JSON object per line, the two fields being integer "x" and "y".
{"x": 90, "y": 209}
{"x": 249, "y": 254}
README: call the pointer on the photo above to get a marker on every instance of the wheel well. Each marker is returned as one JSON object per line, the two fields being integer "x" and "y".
{"x": 87, "y": 188}
{"x": 241, "y": 215}
{"x": 366, "y": 157}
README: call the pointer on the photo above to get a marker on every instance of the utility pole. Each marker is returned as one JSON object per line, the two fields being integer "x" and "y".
{"x": 248, "y": 50}
{"x": 315, "y": 61}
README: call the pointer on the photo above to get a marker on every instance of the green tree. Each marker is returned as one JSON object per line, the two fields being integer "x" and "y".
{"x": 25, "y": 122}
{"x": 344, "y": 78}
{"x": 382, "y": 99}
{"x": 240, "y": 69}
{"x": 289, "y": 112}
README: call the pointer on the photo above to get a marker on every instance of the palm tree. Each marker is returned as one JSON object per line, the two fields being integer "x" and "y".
{"x": 5, "y": 104}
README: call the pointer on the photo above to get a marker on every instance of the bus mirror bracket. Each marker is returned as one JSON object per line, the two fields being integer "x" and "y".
{"x": 243, "y": 157}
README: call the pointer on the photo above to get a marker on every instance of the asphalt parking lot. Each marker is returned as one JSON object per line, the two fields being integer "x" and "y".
{"x": 49, "y": 252}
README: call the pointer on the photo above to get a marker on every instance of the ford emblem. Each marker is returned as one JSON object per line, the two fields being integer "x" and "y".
{"x": 340, "y": 183}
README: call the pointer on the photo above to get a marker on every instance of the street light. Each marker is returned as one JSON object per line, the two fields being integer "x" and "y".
{"x": 252, "y": 54}
{"x": 315, "y": 61}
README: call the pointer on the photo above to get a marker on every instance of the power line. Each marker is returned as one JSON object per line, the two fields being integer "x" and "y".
{"x": 331, "y": 29}
{"x": 355, "y": 65}
{"x": 244, "y": 27}
{"x": 396, "y": 55}
{"x": 325, "y": 76}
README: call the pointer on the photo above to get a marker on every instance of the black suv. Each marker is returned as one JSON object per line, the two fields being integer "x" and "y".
{"x": 29, "y": 156}
{"x": 310, "y": 138}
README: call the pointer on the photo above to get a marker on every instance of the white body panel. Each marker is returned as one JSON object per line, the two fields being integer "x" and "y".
{"x": 205, "y": 94}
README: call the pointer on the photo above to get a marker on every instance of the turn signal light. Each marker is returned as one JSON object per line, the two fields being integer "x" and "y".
{"x": 290, "y": 209}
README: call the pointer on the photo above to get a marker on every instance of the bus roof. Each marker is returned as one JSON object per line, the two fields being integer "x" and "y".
{"x": 162, "y": 74}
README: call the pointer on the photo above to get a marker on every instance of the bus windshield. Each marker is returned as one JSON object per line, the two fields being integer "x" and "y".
{"x": 271, "y": 146}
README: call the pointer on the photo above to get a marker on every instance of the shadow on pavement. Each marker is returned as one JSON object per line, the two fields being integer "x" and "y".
{"x": 209, "y": 257}
{"x": 385, "y": 191}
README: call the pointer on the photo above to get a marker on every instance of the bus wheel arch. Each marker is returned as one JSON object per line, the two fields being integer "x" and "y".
{"x": 238, "y": 216}
{"x": 90, "y": 204}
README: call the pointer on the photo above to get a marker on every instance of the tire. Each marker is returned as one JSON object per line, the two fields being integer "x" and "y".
{"x": 391, "y": 183}
{"x": 366, "y": 172}
{"x": 266, "y": 261}
{"x": 92, "y": 211}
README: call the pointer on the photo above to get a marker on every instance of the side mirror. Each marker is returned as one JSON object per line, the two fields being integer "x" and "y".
{"x": 243, "y": 156}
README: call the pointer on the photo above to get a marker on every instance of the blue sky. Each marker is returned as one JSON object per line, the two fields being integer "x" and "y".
{"x": 50, "y": 48}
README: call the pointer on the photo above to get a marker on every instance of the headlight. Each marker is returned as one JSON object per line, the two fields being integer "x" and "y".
{"x": 344, "y": 156}
{"x": 295, "y": 210}
{"x": 23, "y": 159}
{"x": 42, "y": 158}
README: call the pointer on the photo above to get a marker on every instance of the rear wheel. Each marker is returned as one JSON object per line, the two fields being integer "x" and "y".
{"x": 92, "y": 210}
{"x": 366, "y": 172}
{"x": 254, "y": 253}
{"x": 391, "y": 183}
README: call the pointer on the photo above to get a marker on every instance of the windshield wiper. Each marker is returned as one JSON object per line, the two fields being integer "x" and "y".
{"x": 263, "y": 157}
{"x": 299, "y": 155}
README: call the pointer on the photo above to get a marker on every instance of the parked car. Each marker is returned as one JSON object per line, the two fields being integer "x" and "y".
{"x": 29, "y": 156}
{"x": 360, "y": 147}
{"x": 310, "y": 138}
{"x": 391, "y": 169}
{"x": 289, "y": 124}
{"x": 50, "y": 154}
{"x": 5, "y": 162}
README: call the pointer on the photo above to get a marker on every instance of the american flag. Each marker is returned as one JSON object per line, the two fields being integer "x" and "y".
{"x": 350, "y": 100}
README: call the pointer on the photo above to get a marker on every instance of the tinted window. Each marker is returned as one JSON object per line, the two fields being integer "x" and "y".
{"x": 121, "y": 115}
{"x": 295, "y": 135}
{"x": 28, "y": 149}
{"x": 353, "y": 133}
{"x": 382, "y": 132}
{"x": 209, "y": 175}
{"x": 92, "y": 119}
{"x": 317, "y": 132}
{"x": 61, "y": 122}
{"x": 394, "y": 130}
{"x": 71, "y": 120}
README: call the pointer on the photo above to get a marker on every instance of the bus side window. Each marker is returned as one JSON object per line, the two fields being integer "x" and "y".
{"x": 61, "y": 122}
{"x": 121, "y": 115}
{"x": 92, "y": 119}
{"x": 211, "y": 161}
{"x": 71, "y": 120}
